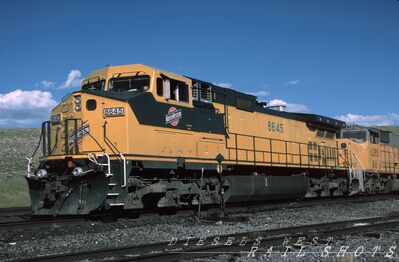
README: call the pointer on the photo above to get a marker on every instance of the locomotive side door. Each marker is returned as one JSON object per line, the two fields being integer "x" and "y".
{"x": 173, "y": 139}
{"x": 313, "y": 153}
{"x": 323, "y": 152}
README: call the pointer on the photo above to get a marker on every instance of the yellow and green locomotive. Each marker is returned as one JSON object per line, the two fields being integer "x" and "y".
{"x": 138, "y": 137}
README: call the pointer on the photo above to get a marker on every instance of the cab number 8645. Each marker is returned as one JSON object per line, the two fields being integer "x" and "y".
{"x": 275, "y": 127}
{"x": 114, "y": 111}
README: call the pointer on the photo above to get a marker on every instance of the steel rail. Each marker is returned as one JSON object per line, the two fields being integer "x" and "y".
{"x": 239, "y": 208}
{"x": 14, "y": 211}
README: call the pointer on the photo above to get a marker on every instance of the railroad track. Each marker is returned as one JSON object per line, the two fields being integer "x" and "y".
{"x": 38, "y": 224}
{"x": 27, "y": 223}
{"x": 186, "y": 249}
{"x": 14, "y": 211}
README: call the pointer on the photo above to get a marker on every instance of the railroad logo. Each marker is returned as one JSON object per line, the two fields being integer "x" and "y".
{"x": 79, "y": 134}
{"x": 173, "y": 116}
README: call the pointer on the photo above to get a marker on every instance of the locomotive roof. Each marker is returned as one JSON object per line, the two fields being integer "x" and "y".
{"x": 238, "y": 99}
{"x": 235, "y": 98}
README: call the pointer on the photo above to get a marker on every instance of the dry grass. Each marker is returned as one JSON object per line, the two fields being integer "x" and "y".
{"x": 14, "y": 192}
{"x": 15, "y": 145}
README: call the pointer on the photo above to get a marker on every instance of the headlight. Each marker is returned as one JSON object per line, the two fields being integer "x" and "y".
{"x": 78, "y": 101}
{"x": 42, "y": 173}
{"x": 77, "y": 171}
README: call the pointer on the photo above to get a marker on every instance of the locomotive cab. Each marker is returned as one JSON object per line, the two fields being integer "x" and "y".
{"x": 88, "y": 133}
{"x": 374, "y": 158}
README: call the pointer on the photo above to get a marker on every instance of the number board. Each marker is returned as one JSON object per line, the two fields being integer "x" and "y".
{"x": 275, "y": 127}
{"x": 114, "y": 111}
{"x": 55, "y": 119}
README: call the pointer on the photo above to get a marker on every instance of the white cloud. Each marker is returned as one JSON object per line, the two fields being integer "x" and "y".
{"x": 73, "y": 80}
{"x": 259, "y": 93}
{"x": 226, "y": 85}
{"x": 47, "y": 84}
{"x": 25, "y": 108}
{"x": 370, "y": 120}
{"x": 290, "y": 107}
{"x": 277, "y": 102}
{"x": 292, "y": 83}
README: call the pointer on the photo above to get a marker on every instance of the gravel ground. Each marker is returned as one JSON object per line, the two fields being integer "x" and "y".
{"x": 92, "y": 235}
{"x": 382, "y": 247}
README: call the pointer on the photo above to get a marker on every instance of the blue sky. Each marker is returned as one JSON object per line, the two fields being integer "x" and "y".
{"x": 336, "y": 58}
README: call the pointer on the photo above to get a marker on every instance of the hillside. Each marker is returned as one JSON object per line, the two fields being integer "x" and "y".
{"x": 393, "y": 129}
{"x": 15, "y": 145}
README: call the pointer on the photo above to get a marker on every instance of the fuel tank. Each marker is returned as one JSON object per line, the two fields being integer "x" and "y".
{"x": 260, "y": 188}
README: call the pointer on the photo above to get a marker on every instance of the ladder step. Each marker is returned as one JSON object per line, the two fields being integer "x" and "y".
{"x": 112, "y": 184}
{"x": 112, "y": 194}
{"x": 108, "y": 175}
{"x": 117, "y": 204}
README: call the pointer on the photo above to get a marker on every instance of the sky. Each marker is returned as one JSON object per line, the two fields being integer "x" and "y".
{"x": 335, "y": 58}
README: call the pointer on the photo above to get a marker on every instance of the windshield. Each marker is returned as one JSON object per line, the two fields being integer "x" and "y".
{"x": 99, "y": 85}
{"x": 130, "y": 84}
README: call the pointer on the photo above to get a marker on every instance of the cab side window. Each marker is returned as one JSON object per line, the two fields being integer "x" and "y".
{"x": 202, "y": 92}
{"x": 176, "y": 90}
{"x": 159, "y": 86}
{"x": 374, "y": 138}
{"x": 138, "y": 83}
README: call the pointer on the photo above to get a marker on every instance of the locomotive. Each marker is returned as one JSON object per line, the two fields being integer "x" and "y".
{"x": 136, "y": 137}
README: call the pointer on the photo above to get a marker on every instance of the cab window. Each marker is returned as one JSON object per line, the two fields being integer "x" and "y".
{"x": 176, "y": 90}
{"x": 374, "y": 138}
{"x": 202, "y": 92}
{"x": 159, "y": 86}
{"x": 98, "y": 85}
{"x": 355, "y": 135}
{"x": 130, "y": 84}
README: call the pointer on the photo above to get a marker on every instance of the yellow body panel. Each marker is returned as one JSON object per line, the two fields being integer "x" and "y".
{"x": 252, "y": 138}
{"x": 374, "y": 158}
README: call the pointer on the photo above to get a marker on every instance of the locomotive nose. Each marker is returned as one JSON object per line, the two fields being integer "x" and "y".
{"x": 67, "y": 196}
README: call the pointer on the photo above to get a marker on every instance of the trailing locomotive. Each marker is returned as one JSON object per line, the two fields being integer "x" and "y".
{"x": 138, "y": 137}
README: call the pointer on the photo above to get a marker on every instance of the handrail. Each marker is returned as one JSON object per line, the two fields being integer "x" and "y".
{"x": 124, "y": 170}
{"x": 108, "y": 164}
{"x": 30, "y": 165}
{"x": 283, "y": 156}
{"x": 93, "y": 158}
{"x": 75, "y": 149}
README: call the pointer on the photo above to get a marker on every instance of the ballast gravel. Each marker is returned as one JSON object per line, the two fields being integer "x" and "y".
{"x": 95, "y": 235}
